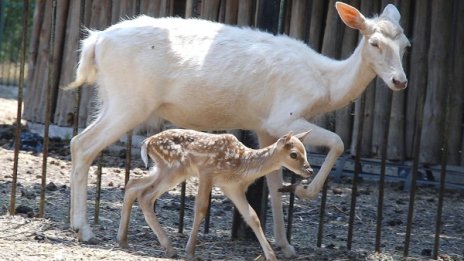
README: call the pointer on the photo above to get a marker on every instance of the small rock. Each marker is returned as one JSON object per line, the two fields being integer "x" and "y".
{"x": 39, "y": 236}
{"x": 28, "y": 194}
{"x": 394, "y": 222}
{"x": 426, "y": 252}
{"x": 337, "y": 191}
{"x": 51, "y": 187}
{"x": 23, "y": 209}
{"x": 111, "y": 184}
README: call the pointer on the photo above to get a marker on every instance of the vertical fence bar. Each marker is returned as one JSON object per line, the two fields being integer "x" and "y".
{"x": 128, "y": 156}
{"x": 48, "y": 110}
{"x": 320, "y": 229}
{"x": 208, "y": 215}
{"x": 182, "y": 207}
{"x": 415, "y": 167}
{"x": 290, "y": 211}
{"x": 446, "y": 133}
{"x": 383, "y": 151}
{"x": 98, "y": 190}
{"x": 444, "y": 160}
{"x": 357, "y": 170}
{"x": 20, "y": 106}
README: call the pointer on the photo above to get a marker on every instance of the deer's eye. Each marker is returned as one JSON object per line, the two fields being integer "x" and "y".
{"x": 293, "y": 155}
{"x": 375, "y": 44}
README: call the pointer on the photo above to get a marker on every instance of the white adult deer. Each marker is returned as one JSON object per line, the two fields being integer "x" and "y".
{"x": 217, "y": 160}
{"x": 209, "y": 76}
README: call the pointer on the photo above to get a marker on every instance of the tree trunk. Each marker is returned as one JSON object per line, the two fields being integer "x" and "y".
{"x": 66, "y": 102}
{"x": 35, "y": 109}
{"x": 231, "y": 12}
{"x": 297, "y": 26}
{"x": 316, "y": 28}
{"x": 418, "y": 76}
{"x": 457, "y": 91}
{"x": 245, "y": 14}
{"x": 435, "y": 101}
{"x": 210, "y": 10}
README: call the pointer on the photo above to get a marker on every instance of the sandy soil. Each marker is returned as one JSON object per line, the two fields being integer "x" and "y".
{"x": 26, "y": 237}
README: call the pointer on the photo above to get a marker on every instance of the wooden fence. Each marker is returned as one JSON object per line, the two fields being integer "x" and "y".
{"x": 434, "y": 65}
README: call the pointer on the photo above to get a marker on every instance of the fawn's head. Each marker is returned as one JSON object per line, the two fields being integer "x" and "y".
{"x": 385, "y": 42}
{"x": 292, "y": 153}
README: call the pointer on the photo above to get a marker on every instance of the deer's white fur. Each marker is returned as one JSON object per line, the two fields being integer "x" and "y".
{"x": 217, "y": 160}
{"x": 209, "y": 76}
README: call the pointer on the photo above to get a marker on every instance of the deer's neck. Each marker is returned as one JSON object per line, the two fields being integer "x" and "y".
{"x": 259, "y": 162}
{"x": 349, "y": 78}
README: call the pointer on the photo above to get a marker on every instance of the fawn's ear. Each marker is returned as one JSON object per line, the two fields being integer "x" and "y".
{"x": 286, "y": 138}
{"x": 302, "y": 136}
{"x": 351, "y": 16}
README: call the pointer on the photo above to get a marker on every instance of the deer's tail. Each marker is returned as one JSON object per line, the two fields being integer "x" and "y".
{"x": 144, "y": 152}
{"x": 86, "y": 70}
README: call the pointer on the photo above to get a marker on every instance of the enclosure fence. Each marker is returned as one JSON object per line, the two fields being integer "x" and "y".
{"x": 300, "y": 19}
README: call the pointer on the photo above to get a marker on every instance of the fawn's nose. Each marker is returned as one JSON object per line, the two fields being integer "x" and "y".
{"x": 308, "y": 170}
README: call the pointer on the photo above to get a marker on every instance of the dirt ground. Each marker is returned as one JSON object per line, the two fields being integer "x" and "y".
{"x": 26, "y": 237}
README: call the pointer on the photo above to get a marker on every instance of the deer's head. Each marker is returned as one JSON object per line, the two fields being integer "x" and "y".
{"x": 292, "y": 154}
{"x": 384, "y": 42}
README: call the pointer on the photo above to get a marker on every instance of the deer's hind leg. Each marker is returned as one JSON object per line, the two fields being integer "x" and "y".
{"x": 132, "y": 190}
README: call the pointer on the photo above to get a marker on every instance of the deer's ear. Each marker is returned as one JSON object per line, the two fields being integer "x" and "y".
{"x": 392, "y": 13}
{"x": 302, "y": 136}
{"x": 286, "y": 138}
{"x": 351, "y": 16}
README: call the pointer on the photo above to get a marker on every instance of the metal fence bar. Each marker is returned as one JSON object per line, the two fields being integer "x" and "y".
{"x": 128, "y": 156}
{"x": 20, "y": 106}
{"x": 357, "y": 170}
{"x": 290, "y": 211}
{"x": 51, "y": 73}
{"x": 415, "y": 167}
{"x": 446, "y": 133}
{"x": 182, "y": 207}
{"x": 320, "y": 229}
{"x": 98, "y": 190}
{"x": 383, "y": 151}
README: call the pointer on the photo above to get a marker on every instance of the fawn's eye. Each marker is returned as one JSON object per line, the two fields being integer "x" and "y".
{"x": 293, "y": 155}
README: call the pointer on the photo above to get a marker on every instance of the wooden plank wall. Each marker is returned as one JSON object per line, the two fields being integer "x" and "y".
{"x": 433, "y": 64}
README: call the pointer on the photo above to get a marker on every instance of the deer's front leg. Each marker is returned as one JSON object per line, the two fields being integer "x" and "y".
{"x": 201, "y": 207}
{"x": 237, "y": 195}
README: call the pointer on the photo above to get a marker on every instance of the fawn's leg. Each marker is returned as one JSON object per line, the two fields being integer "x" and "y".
{"x": 166, "y": 179}
{"x": 201, "y": 207}
{"x": 133, "y": 187}
{"x": 237, "y": 195}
